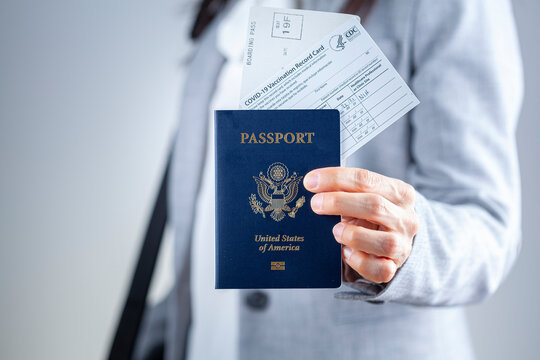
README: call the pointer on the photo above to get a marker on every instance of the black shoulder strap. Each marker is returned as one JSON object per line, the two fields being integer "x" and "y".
{"x": 128, "y": 326}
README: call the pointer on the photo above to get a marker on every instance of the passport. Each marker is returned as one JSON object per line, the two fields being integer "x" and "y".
{"x": 267, "y": 236}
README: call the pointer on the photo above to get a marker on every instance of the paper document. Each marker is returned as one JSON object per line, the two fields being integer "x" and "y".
{"x": 289, "y": 65}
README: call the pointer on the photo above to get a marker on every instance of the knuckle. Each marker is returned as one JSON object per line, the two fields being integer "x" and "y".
{"x": 391, "y": 246}
{"x": 386, "y": 271}
{"x": 402, "y": 225}
{"x": 333, "y": 202}
{"x": 341, "y": 199}
{"x": 378, "y": 205}
{"x": 395, "y": 189}
{"x": 407, "y": 192}
{"x": 364, "y": 179}
{"x": 409, "y": 223}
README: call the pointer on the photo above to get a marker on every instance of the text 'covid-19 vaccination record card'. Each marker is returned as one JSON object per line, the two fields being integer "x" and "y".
{"x": 300, "y": 59}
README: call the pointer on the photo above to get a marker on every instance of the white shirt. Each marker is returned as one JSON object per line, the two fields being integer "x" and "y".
{"x": 214, "y": 332}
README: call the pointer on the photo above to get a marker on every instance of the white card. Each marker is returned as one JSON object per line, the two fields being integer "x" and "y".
{"x": 343, "y": 69}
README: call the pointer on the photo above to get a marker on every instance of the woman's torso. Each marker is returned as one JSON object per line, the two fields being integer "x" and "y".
{"x": 312, "y": 323}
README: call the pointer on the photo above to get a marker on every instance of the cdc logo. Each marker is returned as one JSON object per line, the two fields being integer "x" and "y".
{"x": 337, "y": 43}
{"x": 352, "y": 33}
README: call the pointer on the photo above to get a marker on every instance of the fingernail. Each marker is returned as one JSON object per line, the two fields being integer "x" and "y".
{"x": 316, "y": 202}
{"x": 338, "y": 230}
{"x": 311, "y": 181}
{"x": 347, "y": 252}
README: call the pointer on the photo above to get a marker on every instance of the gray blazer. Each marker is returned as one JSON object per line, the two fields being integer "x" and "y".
{"x": 457, "y": 148}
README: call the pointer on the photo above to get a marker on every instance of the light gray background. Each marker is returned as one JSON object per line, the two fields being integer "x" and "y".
{"x": 88, "y": 103}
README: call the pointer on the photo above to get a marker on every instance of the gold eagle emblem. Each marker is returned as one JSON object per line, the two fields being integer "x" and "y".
{"x": 277, "y": 189}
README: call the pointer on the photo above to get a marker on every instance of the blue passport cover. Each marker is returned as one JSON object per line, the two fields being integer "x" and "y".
{"x": 267, "y": 236}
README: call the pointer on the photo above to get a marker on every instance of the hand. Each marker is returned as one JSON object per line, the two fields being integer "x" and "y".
{"x": 378, "y": 221}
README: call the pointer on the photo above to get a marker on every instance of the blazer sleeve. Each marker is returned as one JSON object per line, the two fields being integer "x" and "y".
{"x": 467, "y": 74}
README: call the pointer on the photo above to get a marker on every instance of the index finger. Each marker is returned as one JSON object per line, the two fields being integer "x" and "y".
{"x": 359, "y": 180}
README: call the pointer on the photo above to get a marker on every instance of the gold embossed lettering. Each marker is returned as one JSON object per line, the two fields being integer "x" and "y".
{"x": 289, "y": 138}
{"x": 243, "y": 137}
{"x": 277, "y": 138}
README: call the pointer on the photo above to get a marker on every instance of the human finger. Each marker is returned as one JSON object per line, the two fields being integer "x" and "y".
{"x": 359, "y": 180}
{"x": 372, "y": 268}
{"x": 371, "y": 207}
{"x": 380, "y": 243}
